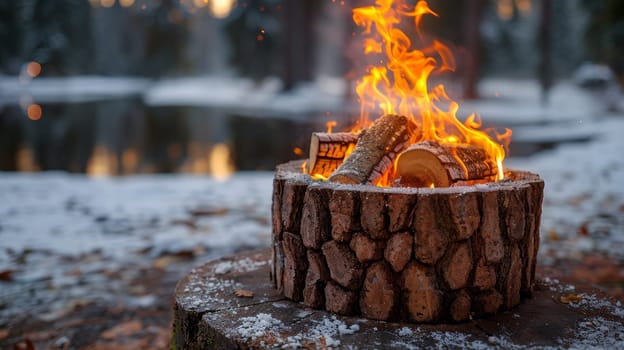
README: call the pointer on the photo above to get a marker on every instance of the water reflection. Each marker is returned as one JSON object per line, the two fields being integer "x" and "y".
{"x": 123, "y": 136}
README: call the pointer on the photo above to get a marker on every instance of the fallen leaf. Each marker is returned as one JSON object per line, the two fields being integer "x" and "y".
{"x": 123, "y": 329}
{"x": 162, "y": 262}
{"x": 583, "y": 230}
{"x": 208, "y": 211}
{"x": 6, "y": 275}
{"x": 188, "y": 223}
{"x": 4, "y": 333}
{"x": 323, "y": 343}
{"x": 121, "y": 344}
{"x": 243, "y": 293}
{"x": 553, "y": 235}
{"x": 571, "y": 298}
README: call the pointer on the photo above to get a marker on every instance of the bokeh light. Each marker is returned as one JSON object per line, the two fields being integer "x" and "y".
{"x": 34, "y": 112}
{"x": 200, "y": 3}
{"x": 107, "y": 3}
{"x": 33, "y": 69}
{"x": 126, "y": 3}
{"x": 221, "y": 8}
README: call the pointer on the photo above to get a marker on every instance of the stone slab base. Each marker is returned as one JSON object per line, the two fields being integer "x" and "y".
{"x": 208, "y": 315}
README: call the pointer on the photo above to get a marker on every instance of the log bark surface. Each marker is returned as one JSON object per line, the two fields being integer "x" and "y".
{"x": 375, "y": 150}
{"x": 435, "y": 255}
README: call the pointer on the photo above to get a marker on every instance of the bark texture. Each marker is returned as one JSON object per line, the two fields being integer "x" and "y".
{"x": 375, "y": 150}
{"x": 406, "y": 254}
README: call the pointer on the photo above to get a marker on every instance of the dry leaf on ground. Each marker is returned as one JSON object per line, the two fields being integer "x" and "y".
{"x": 571, "y": 298}
{"x": 243, "y": 293}
{"x": 122, "y": 329}
{"x": 6, "y": 275}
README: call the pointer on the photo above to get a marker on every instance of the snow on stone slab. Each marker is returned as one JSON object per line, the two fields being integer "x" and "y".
{"x": 597, "y": 333}
{"x": 330, "y": 329}
{"x": 259, "y": 326}
{"x": 243, "y": 265}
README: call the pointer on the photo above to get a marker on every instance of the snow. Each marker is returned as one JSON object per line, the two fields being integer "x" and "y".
{"x": 243, "y": 265}
{"x": 516, "y": 102}
{"x": 261, "y": 325}
{"x": 46, "y": 216}
{"x": 584, "y": 190}
{"x": 598, "y": 333}
{"x": 69, "y": 89}
{"x": 116, "y": 216}
{"x": 405, "y": 332}
{"x": 246, "y": 95}
{"x": 330, "y": 329}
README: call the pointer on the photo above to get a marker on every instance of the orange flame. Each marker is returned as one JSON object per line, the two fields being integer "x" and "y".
{"x": 401, "y": 86}
{"x": 330, "y": 125}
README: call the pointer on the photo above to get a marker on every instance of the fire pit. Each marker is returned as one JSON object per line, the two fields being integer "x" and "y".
{"x": 411, "y": 217}
{"x": 405, "y": 254}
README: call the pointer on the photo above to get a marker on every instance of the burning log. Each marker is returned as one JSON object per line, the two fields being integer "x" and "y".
{"x": 430, "y": 163}
{"x": 327, "y": 151}
{"x": 375, "y": 151}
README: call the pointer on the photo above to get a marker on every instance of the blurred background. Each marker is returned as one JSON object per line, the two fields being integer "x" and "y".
{"x": 212, "y": 86}
{"x": 210, "y": 95}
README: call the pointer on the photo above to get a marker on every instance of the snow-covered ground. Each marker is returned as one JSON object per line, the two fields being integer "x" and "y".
{"x": 74, "y": 214}
{"x": 584, "y": 193}
{"x": 54, "y": 223}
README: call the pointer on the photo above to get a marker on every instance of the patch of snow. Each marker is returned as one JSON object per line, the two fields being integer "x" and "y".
{"x": 328, "y": 329}
{"x": 241, "y": 94}
{"x": 71, "y": 215}
{"x": 405, "y": 332}
{"x": 597, "y": 333}
{"x": 243, "y": 265}
{"x": 69, "y": 89}
{"x": 201, "y": 294}
{"x": 591, "y": 301}
{"x": 261, "y": 325}
{"x": 583, "y": 194}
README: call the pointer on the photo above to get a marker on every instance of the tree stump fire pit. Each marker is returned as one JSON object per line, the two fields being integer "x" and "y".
{"x": 405, "y": 254}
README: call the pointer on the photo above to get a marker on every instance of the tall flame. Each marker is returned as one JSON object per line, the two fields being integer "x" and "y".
{"x": 401, "y": 85}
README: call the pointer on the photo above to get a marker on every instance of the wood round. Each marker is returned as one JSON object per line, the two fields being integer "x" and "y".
{"x": 231, "y": 304}
{"x": 418, "y": 255}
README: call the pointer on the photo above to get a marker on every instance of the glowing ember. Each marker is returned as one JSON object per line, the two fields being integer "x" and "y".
{"x": 400, "y": 84}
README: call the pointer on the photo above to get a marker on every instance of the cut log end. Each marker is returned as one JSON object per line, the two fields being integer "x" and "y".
{"x": 375, "y": 150}
{"x": 431, "y": 164}
{"x": 327, "y": 151}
